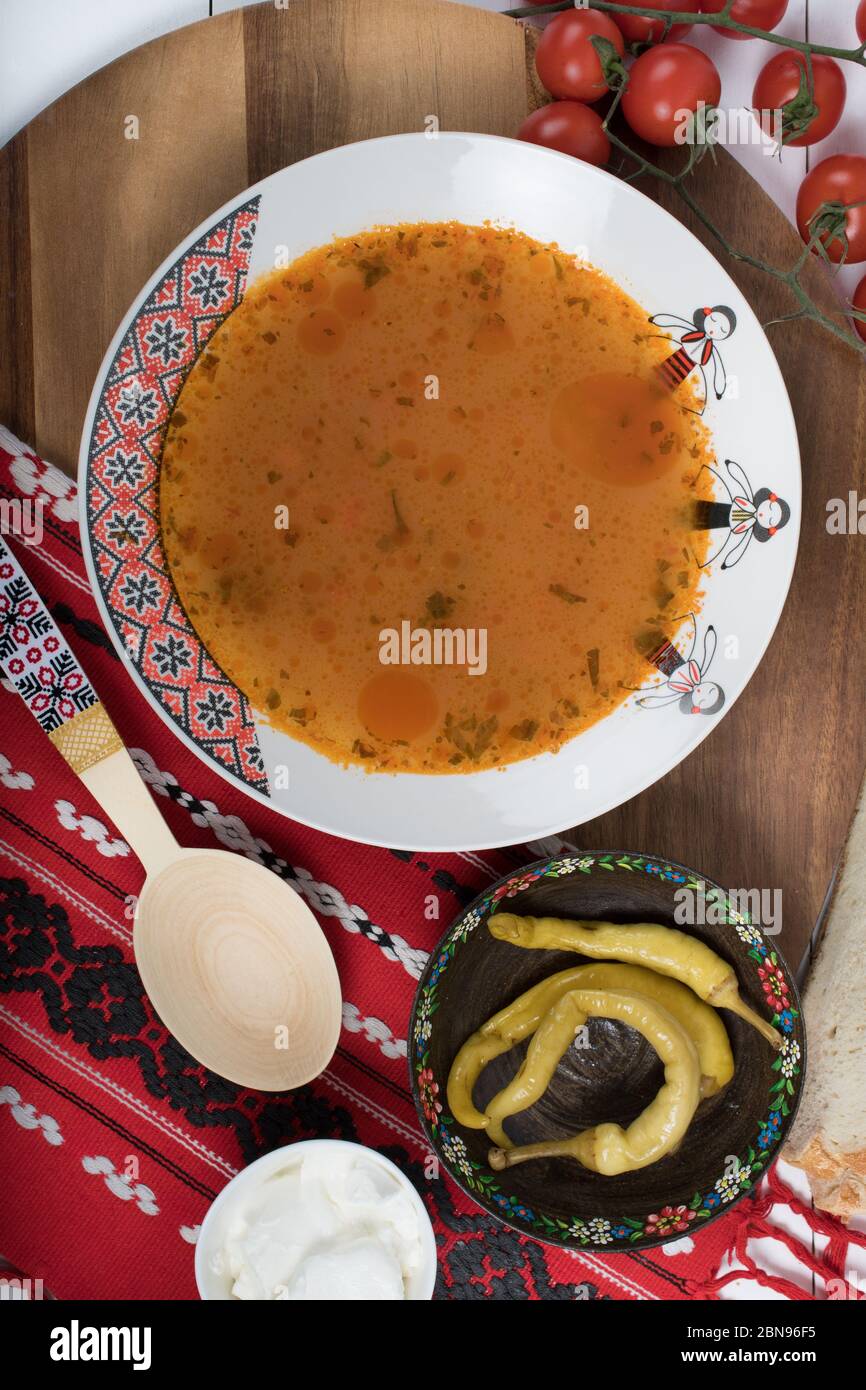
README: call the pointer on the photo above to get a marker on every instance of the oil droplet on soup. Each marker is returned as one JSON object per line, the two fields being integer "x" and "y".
{"x": 397, "y": 704}
{"x": 625, "y": 430}
{"x": 395, "y": 435}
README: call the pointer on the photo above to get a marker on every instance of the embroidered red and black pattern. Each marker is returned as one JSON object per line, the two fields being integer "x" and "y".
{"x": 122, "y": 494}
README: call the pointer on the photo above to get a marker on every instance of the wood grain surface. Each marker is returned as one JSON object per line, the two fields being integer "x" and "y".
{"x": 766, "y": 801}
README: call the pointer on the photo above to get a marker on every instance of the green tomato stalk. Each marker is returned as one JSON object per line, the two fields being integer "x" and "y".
{"x": 828, "y": 222}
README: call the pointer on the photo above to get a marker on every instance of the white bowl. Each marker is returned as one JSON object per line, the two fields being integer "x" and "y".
{"x": 407, "y": 178}
{"x": 217, "y": 1287}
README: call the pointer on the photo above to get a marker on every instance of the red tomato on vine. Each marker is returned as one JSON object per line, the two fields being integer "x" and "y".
{"x": 841, "y": 179}
{"x": 861, "y": 21}
{"x": 664, "y": 83}
{"x": 566, "y": 61}
{"x": 859, "y": 302}
{"x": 640, "y": 29}
{"x": 760, "y": 14}
{"x": 783, "y": 85}
{"x": 570, "y": 127}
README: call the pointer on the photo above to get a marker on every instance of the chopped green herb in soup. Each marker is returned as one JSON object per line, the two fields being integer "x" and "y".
{"x": 423, "y": 498}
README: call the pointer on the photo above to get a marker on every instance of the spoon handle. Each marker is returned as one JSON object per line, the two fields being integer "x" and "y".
{"x": 42, "y": 667}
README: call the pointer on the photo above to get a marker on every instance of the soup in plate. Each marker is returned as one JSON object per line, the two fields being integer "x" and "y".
{"x": 427, "y": 501}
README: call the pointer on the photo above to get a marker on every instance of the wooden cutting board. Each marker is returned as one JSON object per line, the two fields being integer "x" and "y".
{"x": 765, "y": 801}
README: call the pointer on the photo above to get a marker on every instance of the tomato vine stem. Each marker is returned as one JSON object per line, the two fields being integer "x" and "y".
{"x": 722, "y": 20}
{"x": 789, "y": 277}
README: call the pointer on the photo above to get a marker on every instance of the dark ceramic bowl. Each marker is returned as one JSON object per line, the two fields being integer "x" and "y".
{"x": 734, "y": 1134}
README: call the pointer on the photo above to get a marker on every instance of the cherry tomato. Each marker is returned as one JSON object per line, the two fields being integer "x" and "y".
{"x": 760, "y": 14}
{"x": 861, "y": 21}
{"x": 839, "y": 179}
{"x": 568, "y": 126}
{"x": 859, "y": 302}
{"x": 565, "y": 60}
{"x": 662, "y": 84}
{"x": 638, "y": 29}
{"x": 779, "y": 84}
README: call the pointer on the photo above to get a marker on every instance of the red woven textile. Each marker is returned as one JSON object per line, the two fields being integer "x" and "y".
{"x": 112, "y": 1140}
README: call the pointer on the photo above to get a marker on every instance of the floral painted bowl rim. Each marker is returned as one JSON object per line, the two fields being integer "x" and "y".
{"x": 553, "y": 1230}
{"x": 696, "y": 674}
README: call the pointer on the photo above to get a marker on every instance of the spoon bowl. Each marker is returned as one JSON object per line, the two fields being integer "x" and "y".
{"x": 238, "y": 969}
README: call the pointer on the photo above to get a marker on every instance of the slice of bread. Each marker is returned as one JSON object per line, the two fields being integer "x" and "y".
{"x": 828, "y": 1140}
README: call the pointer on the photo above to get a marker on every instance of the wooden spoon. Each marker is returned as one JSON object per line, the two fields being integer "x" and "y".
{"x": 233, "y": 960}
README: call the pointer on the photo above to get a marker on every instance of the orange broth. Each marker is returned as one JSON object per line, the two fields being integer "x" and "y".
{"x": 396, "y": 435}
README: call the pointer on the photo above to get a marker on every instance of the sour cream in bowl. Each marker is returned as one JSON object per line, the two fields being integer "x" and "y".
{"x": 319, "y": 1221}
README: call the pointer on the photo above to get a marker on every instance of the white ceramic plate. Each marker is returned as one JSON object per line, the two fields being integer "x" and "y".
{"x": 470, "y": 178}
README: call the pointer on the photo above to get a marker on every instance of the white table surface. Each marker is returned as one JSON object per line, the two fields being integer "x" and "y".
{"x": 46, "y": 46}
